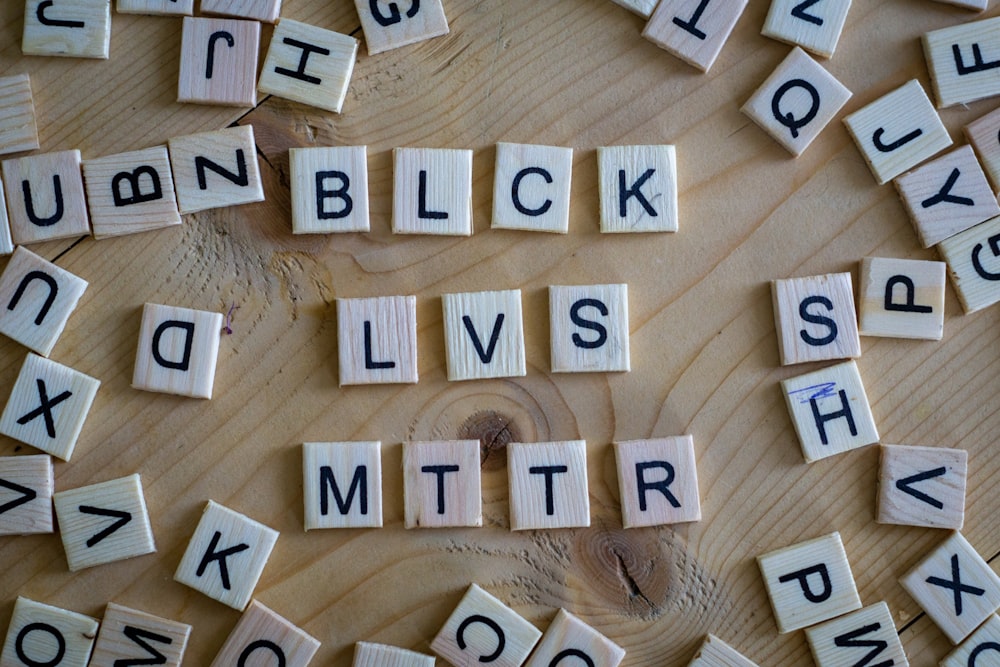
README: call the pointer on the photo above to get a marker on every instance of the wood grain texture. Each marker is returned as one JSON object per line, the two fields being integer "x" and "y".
{"x": 263, "y": 635}
{"x": 130, "y": 634}
{"x": 18, "y": 131}
{"x": 40, "y": 632}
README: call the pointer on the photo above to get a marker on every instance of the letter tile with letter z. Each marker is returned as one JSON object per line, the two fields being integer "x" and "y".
{"x": 390, "y": 24}
{"x": 441, "y": 484}
{"x": 133, "y": 637}
{"x": 864, "y": 637}
{"x": 377, "y": 340}
{"x": 215, "y": 169}
{"x": 589, "y": 328}
{"x": 813, "y": 26}
{"x": 219, "y": 61}
{"x": 815, "y": 318}
{"x": 329, "y": 189}
{"x": 18, "y": 130}
{"x": 716, "y": 653}
{"x": 569, "y": 639}
{"x": 45, "y": 197}
{"x": 131, "y": 192}
{"x": 432, "y": 191}
{"x": 959, "y": 70}
{"x": 973, "y": 259}
{"x": 262, "y": 632}
{"x": 177, "y": 352}
{"x": 638, "y": 188}
{"x": 548, "y": 485}
{"x": 693, "y": 30}
{"x": 483, "y": 629}
{"x": 483, "y": 335}
{"x": 658, "y": 481}
{"x": 983, "y": 644}
{"x": 901, "y": 298}
{"x": 922, "y": 486}
{"x": 40, "y": 634}
{"x": 342, "y": 484}
{"x": 26, "y": 486}
{"x": 71, "y": 28}
{"x": 531, "y": 187}
{"x": 367, "y": 654}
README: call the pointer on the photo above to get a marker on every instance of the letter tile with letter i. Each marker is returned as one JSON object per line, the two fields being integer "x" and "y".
{"x": 815, "y": 318}
{"x": 658, "y": 481}
{"x": 548, "y": 485}
{"x": 716, "y": 653}
{"x": 40, "y": 634}
{"x": 901, "y": 298}
{"x": 482, "y": 629}
{"x": 864, "y": 637}
{"x": 45, "y": 197}
{"x": 133, "y": 637}
{"x": 638, "y": 188}
{"x": 26, "y": 486}
{"x": 390, "y": 25}
{"x": 571, "y": 640}
{"x": 367, "y": 654}
{"x": 377, "y": 340}
{"x": 342, "y": 484}
{"x": 441, "y": 484}
{"x": 982, "y": 645}
{"x": 177, "y": 352}
{"x": 693, "y": 30}
{"x": 329, "y": 189}
{"x": 264, "y": 637}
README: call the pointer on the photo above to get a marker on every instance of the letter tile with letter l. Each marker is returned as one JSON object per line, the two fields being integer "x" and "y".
{"x": 432, "y": 191}
{"x": 342, "y": 484}
{"x": 983, "y": 134}
{"x": 589, "y": 328}
{"x": 531, "y": 187}
{"x": 973, "y": 259}
{"x": 258, "y": 10}
{"x": 981, "y": 647}
{"x": 922, "y": 486}
{"x": 809, "y": 582}
{"x": 156, "y": 7}
{"x": 45, "y": 197}
{"x": 71, "y": 28}
{"x": 226, "y": 556}
{"x": 367, "y": 654}
{"x": 693, "y": 30}
{"x": 40, "y": 634}
{"x": 177, "y": 351}
{"x": 390, "y": 24}
{"x": 482, "y": 629}
{"x": 864, "y": 637}
{"x": 131, "y": 192}
{"x": 133, "y": 637}
{"x": 716, "y": 653}
{"x": 262, "y": 632}
{"x": 548, "y": 485}
{"x": 441, "y": 484}
{"x": 483, "y": 335}
{"x": 657, "y": 481}
{"x": 638, "y": 188}
{"x": 901, "y": 298}
{"x": 796, "y": 101}
{"x": 18, "y": 130}
{"x": 219, "y": 62}
{"x": 815, "y": 318}
{"x": 814, "y": 26}
{"x": 329, "y": 189}
{"x": 959, "y": 71}
{"x": 26, "y": 486}
{"x": 215, "y": 169}
{"x": 570, "y": 639}
{"x": 377, "y": 340}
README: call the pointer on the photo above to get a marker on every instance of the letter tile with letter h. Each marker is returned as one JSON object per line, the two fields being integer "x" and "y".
{"x": 693, "y": 30}
{"x": 177, "y": 352}
{"x": 329, "y": 189}
{"x": 133, "y": 637}
{"x": 638, "y": 188}
{"x": 864, "y": 637}
{"x": 131, "y": 192}
{"x": 484, "y": 629}
{"x": 483, "y": 335}
{"x": 716, "y": 653}
{"x": 658, "y": 481}
{"x": 377, "y": 340}
{"x": 38, "y": 632}
{"x": 267, "y": 636}
{"x": 441, "y": 484}
{"x": 390, "y": 25}
{"x": 215, "y": 169}
{"x": 815, "y": 318}
{"x": 45, "y": 197}
{"x": 342, "y": 484}
{"x": 548, "y": 485}
{"x": 71, "y": 28}
{"x": 26, "y": 486}
{"x": 901, "y": 298}
{"x": 569, "y": 639}
{"x": 219, "y": 61}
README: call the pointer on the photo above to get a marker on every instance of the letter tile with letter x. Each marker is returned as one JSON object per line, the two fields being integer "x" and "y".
{"x": 177, "y": 352}
{"x": 342, "y": 484}
{"x": 45, "y": 197}
{"x": 40, "y": 634}
{"x": 716, "y": 653}
{"x": 483, "y": 629}
{"x": 133, "y": 637}
{"x": 693, "y": 30}
{"x": 367, "y": 654}
{"x": 922, "y": 486}
{"x": 638, "y": 188}
{"x": 901, "y": 298}
{"x": 377, "y": 340}
{"x": 548, "y": 485}
{"x": 568, "y": 638}
{"x": 329, "y": 189}
{"x": 432, "y": 191}
{"x": 441, "y": 484}
{"x": 589, "y": 328}
{"x": 26, "y": 486}
{"x": 215, "y": 169}
{"x": 389, "y": 25}
{"x": 531, "y": 187}
{"x": 959, "y": 70}
{"x": 973, "y": 259}
{"x": 984, "y": 643}
{"x": 864, "y": 637}
{"x": 658, "y": 481}
{"x": 131, "y": 192}
{"x": 815, "y": 318}
{"x": 269, "y": 637}
{"x": 219, "y": 61}
{"x": 483, "y": 335}
{"x": 71, "y": 28}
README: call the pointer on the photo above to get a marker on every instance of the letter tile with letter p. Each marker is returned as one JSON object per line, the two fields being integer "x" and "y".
{"x": 268, "y": 637}
{"x": 131, "y": 192}
{"x": 815, "y": 318}
{"x": 658, "y": 481}
{"x": 901, "y": 298}
{"x": 177, "y": 352}
{"x": 483, "y": 629}
{"x": 40, "y": 634}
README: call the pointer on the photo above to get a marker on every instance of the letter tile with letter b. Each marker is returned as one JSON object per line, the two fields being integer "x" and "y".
{"x": 258, "y": 10}
{"x": 693, "y": 30}
{"x": 215, "y": 169}
{"x": 390, "y": 25}
{"x": 983, "y": 644}
{"x": 177, "y": 352}
{"x": 548, "y": 485}
{"x": 342, "y": 484}
{"x": 815, "y": 318}
{"x": 441, "y": 484}
{"x": 40, "y": 634}
{"x": 71, "y": 28}
{"x": 589, "y": 328}
{"x": 658, "y": 481}
{"x": 864, "y": 637}
{"x": 973, "y": 259}
{"x": 432, "y": 191}
{"x": 531, "y": 188}
{"x": 959, "y": 70}
{"x": 984, "y": 135}
{"x": 377, "y": 340}
{"x": 638, "y": 188}
{"x": 219, "y": 62}
{"x": 813, "y": 26}
{"x": 570, "y": 639}
{"x": 131, "y": 192}
{"x": 26, "y": 486}
{"x": 133, "y": 637}
{"x": 367, "y": 654}
{"x": 483, "y": 335}
{"x": 226, "y": 556}
{"x": 18, "y": 130}
{"x": 45, "y": 197}
{"x": 156, "y": 7}
{"x": 809, "y": 582}
{"x": 329, "y": 189}
{"x": 482, "y": 629}
{"x": 261, "y": 632}
{"x": 901, "y": 298}
{"x": 922, "y": 486}
{"x": 716, "y": 653}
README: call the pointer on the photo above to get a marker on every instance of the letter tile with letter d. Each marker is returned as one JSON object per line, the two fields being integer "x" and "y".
{"x": 901, "y": 298}
{"x": 329, "y": 189}
{"x": 133, "y": 637}
{"x": 571, "y": 640}
{"x": 389, "y": 25}
{"x": 342, "y": 484}
{"x": 45, "y": 197}
{"x": 177, "y": 352}
{"x": 131, "y": 192}
{"x": 483, "y": 629}
{"x": 815, "y": 318}
{"x": 269, "y": 638}
{"x": 716, "y": 653}
{"x": 367, "y": 654}
{"x": 548, "y": 485}
{"x": 483, "y": 335}
{"x": 658, "y": 481}
{"x": 377, "y": 340}
{"x": 864, "y": 637}
{"x": 638, "y": 188}
{"x": 40, "y": 634}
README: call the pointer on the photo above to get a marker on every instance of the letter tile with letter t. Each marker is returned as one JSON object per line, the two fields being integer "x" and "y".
{"x": 219, "y": 61}
{"x": 922, "y": 486}
{"x": 441, "y": 484}
{"x": 483, "y": 335}
{"x": 693, "y": 30}
{"x": 367, "y": 654}
{"x": 377, "y": 340}
{"x": 638, "y": 188}
{"x": 658, "y": 481}
{"x": 45, "y": 197}
{"x": 342, "y": 484}
{"x": 959, "y": 70}
{"x": 432, "y": 191}
{"x": 261, "y": 632}
{"x": 215, "y": 169}
{"x": 589, "y": 328}
{"x": 390, "y": 25}
{"x": 329, "y": 189}
{"x": 901, "y": 298}
{"x": 973, "y": 259}
{"x": 813, "y": 26}
{"x": 983, "y": 644}
{"x": 133, "y": 637}
{"x": 815, "y": 318}
{"x": 258, "y": 10}
{"x": 483, "y": 629}
{"x": 177, "y": 351}
{"x": 864, "y": 637}
{"x": 26, "y": 486}
{"x": 71, "y": 28}
{"x": 156, "y": 7}
{"x": 531, "y": 187}
{"x": 716, "y": 653}
{"x": 18, "y": 130}
{"x": 40, "y": 634}
{"x": 131, "y": 192}
{"x": 569, "y": 638}
{"x": 548, "y": 485}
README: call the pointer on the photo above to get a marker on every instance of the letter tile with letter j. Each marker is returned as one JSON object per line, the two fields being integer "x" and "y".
{"x": 178, "y": 349}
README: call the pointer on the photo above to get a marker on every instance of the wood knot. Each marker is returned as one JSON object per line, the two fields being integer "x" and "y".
{"x": 632, "y": 570}
{"x": 494, "y": 431}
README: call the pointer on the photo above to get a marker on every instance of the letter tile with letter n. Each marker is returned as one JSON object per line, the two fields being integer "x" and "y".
{"x": 258, "y": 10}
{"x": 531, "y": 187}
{"x": 441, "y": 484}
{"x": 638, "y": 188}
{"x": 922, "y": 486}
{"x": 71, "y": 28}
{"x": 901, "y": 298}
{"x": 955, "y": 586}
{"x": 177, "y": 352}
{"x": 45, "y": 197}
{"x": 131, "y": 192}
{"x": 18, "y": 131}
{"x": 367, "y": 654}
{"x": 484, "y": 335}
{"x": 973, "y": 259}
{"x": 40, "y": 634}
{"x": 133, "y": 637}
{"x": 589, "y": 328}
{"x": 796, "y": 102}
{"x": 864, "y": 637}
{"x": 156, "y": 7}
{"x": 571, "y": 640}
{"x": 482, "y": 629}
{"x": 658, "y": 481}
{"x": 813, "y": 26}
{"x": 548, "y": 485}
{"x": 716, "y": 653}
{"x": 809, "y": 582}
{"x": 693, "y": 30}
{"x": 26, "y": 485}
{"x": 377, "y": 340}
{"x": 342, "y": 484}
{"x": 390, "y": 25}
{"x": 329, "y": 189}
{"x": 226, "y": 556}
{"x": 215, "y": 169}
{"x": 959, "y": 71}
{"x": 219, "y": 62}
{"x": 815, "y": 318}
{"x": 984, "y": 135}
{"x": 432, "y": 191}
{"x": 262, "y": 632}
{"x": 981, "y": 649}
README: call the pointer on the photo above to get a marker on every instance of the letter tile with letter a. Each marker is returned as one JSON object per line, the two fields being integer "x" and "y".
{"x": 959, "y": 69}
{"x": 342, "y": 484}
{"x": 484, "y": 335}
{"x": 177, "y": 351}
{"x": 329, "y": 189}
{"x": 45, "y": 197}
{"x": 973, "y": 259}
{"x": 981, "y": 649}
{"x": 131, "y": 192}
{"x": 809, "y": 582}
{"x": 26, "y": 486}
{"x": 813, "y": 26}
{"x": 716, "y": 653}
{"x": 482, "y": 629}
{"x": 864, "y": 637}
{"x": 571, "y": 640}
{"x": 377, "y": 340}
{"x": 548, "y": 485}
{"x": 156, "y": 7}
{"x": 815, "y": 318}
{"x": 796, "y": 102}
{"x": 658, "y": 481}
{"x": 984, "y": 135}
{"x": 258, "y": 10}
{"x": 40, "y": 634}
{"x": 922, "y": 486}
{"x": 215, "y": 169}
{"x": 18, "y": 131}
{"x": 219, "y": 62}
{"x": 226, "y": 556}
{"x": 441, "y": 484}
{"x": 901, "y": 298}
{"x": 133, "y": 637}
{"x": 367, "y": 654}
{"x": 693, "y": 30}
{"x": 589, "y": 328}
{"x": 638, "y": 188}
{"x": 392, "y": 24}
{"x": 531, "y": 188}
{"x": 261, "y": 632}
{"x": 432, "y": 191}
{"x": 72, "y": 28}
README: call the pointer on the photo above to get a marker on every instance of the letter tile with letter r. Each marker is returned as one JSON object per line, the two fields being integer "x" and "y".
{"x": 215, "y": 169}
{"x": 693, "y": 30}
{"x": 483, "y": 335}
{"x": 984, "y": 136}
{"x": 980, "y": 649}
{"x": 177, "y": 351}
{"x": 329, "y": 189}
{"x": 588, "y": 325}
{"x": 377, "y": 340}
{"x": 922, "y": 486}
{"x": 569, "y": 640}
{"x": 367, "y": 654}
{"x": 258, "y": 10}
{"x": 45, "y": 197}
{"x": 638, "y": 188}
{"x": 814, "y": 26}
{"x": 133, "y": 637}
{"x": 156, "y": 7}
{"x": 901, "y": 298}
{"x": 390, "y": 24}
{"x": 973, "y": 259}
{"x": 432, "y": 191}
{"x": 130, "y": 192}
{"x": 815, "y": 318}
{"x": 482, "y": 629}
{"x": 716, "y": 653}
{"x": 71, "y": 28}
{"x": 657, "y": 481}
{"x": 262, "y": 632}
{"x": 26, "y": 486}
{"x": 962, "y": 60}
{"x": 40, "y": 634}
{"x": 531, "y": 187}
{"x": 219, "y": 61}
{"x": 809, "y": 582}
{"x": 548, "y": 485}
{"x": 18, "y": 130}
{"x": 864, "y": 637}
{"x": 342, "y": 484}
{"x": 441, "y": 484}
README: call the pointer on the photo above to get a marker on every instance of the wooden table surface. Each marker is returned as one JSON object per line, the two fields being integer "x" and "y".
{"x": 704, "y": 353}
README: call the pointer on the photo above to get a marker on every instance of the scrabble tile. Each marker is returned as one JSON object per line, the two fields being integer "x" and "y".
{"x": 588, "y": 325}
{"x": 955, "y": 586}
{"x": 377, "y": 340}
{"x": 866, "y": 636}
{"x": 441, "y": 484}
{"x": 959, "y": 71}
{"x": 309, "y": 65}
{"x": 129, "y": 637}
{"x": 531, "y": 188}
{"x": 177, "y": 351}
{"x": 26, "y": 486}
{"x": 483, "y": 335}
{"x": 813, "y": 26}
{"x": 103, "y": 523}
{"x": 897, "y": 131}
{"x": 215, "y": 169}
{"x": 658, "y": 481}
{"x": 796, "y": 102}
{"x": 329, "y": 189}
{"x": 18, "y": 131}
{"x": 45, "y": 197}
{"x": 39, "y": 298}
{"x": 130, "y": 192}
{"x": 482, "y": 629}
{"x": 901, "y": 298}
{"x": 432, "y": 191}
{"x": 380, "y": 655}
{"x": 693, "y": 30}
{"x": 40, "y": 634}
{"x": 259, "y": 10}
{"x": 387, "y": 26}
{"x": 641, "y": 7}
{"x": 973, "y": 259}
{"x": 226, "y": 556}
{"x": 6, "y": 242}
{"x": 638, "y": 188}
{"x": 156, "y": 7}
{"x": 342, "y": 484}
{"x": 266, "y": 635}
{"x": 979, "y": 649}
{"x": 48, "y": 406}
{"x": 922, "y": 486}
{"x": 570, "y": 639}
{"x": 984, "y": 135}
{"x": 548, "y": 485}
{"x": 716, "y": 653}
{"x": 73, "y": 28}
{"x": 815, "y": 318}
{"x": 219, "y": 62}
{"x": 809, "y": 582}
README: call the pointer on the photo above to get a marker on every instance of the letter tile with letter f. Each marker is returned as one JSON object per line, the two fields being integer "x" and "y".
{"x": 178, "y": 349}
{"x": 483, "y": 629}
{"x": 377, "y": 340}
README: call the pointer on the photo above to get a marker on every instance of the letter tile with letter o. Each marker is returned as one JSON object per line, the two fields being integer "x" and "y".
{"x": 268, "y": 637}
{"x": 568, "y": 639}
{"x": 40, "y": 634}
{"x": 178, "y": 349}
{"x": 982, "y": 644}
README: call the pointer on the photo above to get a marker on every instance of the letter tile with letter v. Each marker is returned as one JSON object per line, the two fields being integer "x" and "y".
{"x": 71, "y": 28}
{"x": 390, "y": 24}
{"x": 716, "y": 653}
{"x": 219, "y": 62}
{"x": 658, "y": 481}
{"x": 569, "y": 639}
{"x": 18, "y": 130}
{"x": 177, "y": 352}
{"x": 215, "y": 169}
{"x": 864, "y": 637}
{"x": 813, "y": 26}
{"x": 261, "y": 632}
{"x": 809, "y": 582}
{"x": 815, "y": 318}
{"x": 342, "y": 484}
{"x": 156, "y": 7}
{"x": 531, "y": 188}
{"x": 638, "y": 188}
{"x": 589, "y": 328}
{"x": 922, "y": 486}
{"x": 131, "y": 192}
{"x": 982, "y": 644}
{"x": 441, "y": 484}
{"x": 482, "y": 629}
{"x": 226, "y": 556}
{"x": 40, "y": 634}
{"x": 483, "y": 335}
{"x": 693, "y": 30}
{"x": 367, "y": 654}
{"x": 973, "y": 259}
{"x": 26, "y": 486}
{"x": 432, "y": 191}
{"x": 959, "y": 70}
{"x": 329, "y": 189}
{"x": 45, "y": 197}
{"x": 901, "y": 298}
{"x": 258, "y": 10}
{"x": 548, "y": 485}
{"x": 133, "y": 637}
{"x": 377, "y": 340}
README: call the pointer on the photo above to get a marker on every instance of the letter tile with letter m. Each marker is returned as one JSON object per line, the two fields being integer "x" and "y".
{"x": 40, "y": 634}
{"x": 389, "y": 24}
{"x": 815, "y": 318}
{"x": 377, "y": 340}
{"x": 342, "y": 484}
{"x": 483, "y": 629}
{"x": 638, "y": 188}
{"x": 264, "y": 637}
{"x": 658, "y": 481}
{"x": 177, "y": 352}
{"x": 901, "y": 298}
{"x": 131, "y": 192}
{"x": 45, "y": 197}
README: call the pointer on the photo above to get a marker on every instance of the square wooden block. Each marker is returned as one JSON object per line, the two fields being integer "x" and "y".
{"x": 45, "y": 197}
{"x": 329, "y": 189}
{"x": 367, "y": 654}
{"x": 866, "y": 636}
{"x": 658, "y": 481}
{"x": 589, "y": 328}
{"x": 796, "y": 102}
{"x": 156, "y": 7}
{"x": 377, "y": 340}
{"x": 226, "y": 556}
{"x": 441, "y": 484}
{"x": 18, "y": 131}
{"x": 955, "y": 586}
{"x": 268, "y": 637}
{"x": 548, "y": 485}
{"x": 342, "y": 484}
{"x": 568, "y": 638}
{"x": 958, "y": 70}
{"x": 973, "y": 259}
{"x": 258, "y": 10}
{"x": 983, "y": 644}
{"x": 897, "y": 131}
{"x": 309, "y": 65}
{"x": 815, "y": 27}
{"x": 984, "y": 135}
{"x": 6, "y": 242}
{"x": 177, "y": 351}
{"x": 432, "y": 191}
{"x": 901, "y": 298}
{"x": 809, "y": 582}
{"x": 484, "y": 335}
{"x": 72, "y": 28}
{"x": 131, "y": 192}
{"x": 48, "y": 406}
{"x": 922, "y": 486}
{"x": 693, "y": 30}
{"x": 482, "y": 629}
{"x": 38, "y": 632}
{"x": 215, "y": 169}
{"x": 531, "y": 188}
{"x": 815, "y": 318}
{"x": 391, "y": 25}
{"x": 26, "y": 486}
{"x": 129, "y": 636}
{"x": 638, "y": 188}
{"x": 716, "y": 653}
{"x": 641, "y": 7}
{"x": 219, "y": 62}
{"x": 39, "y": 298}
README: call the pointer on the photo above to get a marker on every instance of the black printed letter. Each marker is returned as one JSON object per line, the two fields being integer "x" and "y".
{"x": 240, "y": 178}
{"x": 133, "y": 180}
{"x": 817, "y": 319}
{"x": 359, "y": 484}
{"x": 802, "y": 576}
{"x": 29, "y": 204}
{"x": 492, "y": 625}
{"x": 19, "y": 292}
{"x": 602, "y": 332}
{"x": 300, "y": 72}
{"x": 821, "y": 419}
{"x": 663, "y": 485}
{"x": 185, "y": 360}
{"x": 548, "y": 472}
{"x": 219, "y": 557}
{"x": 341, "y": 193}
{"x": 909, "y": 296}
{"x": 516, "y": 197}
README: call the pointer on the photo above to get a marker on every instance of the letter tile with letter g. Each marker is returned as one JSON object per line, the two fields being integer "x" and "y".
{"x": 177, "y": 352}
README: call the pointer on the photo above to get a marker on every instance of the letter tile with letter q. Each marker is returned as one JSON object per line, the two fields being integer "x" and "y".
{"x": 178, "y": 349}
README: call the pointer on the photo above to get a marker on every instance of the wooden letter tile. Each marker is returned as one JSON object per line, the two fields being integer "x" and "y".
{"x": 815, "y": 318}
{"x": 17, "y": 115}
{"x": 482, "y": 629}
{"x": 867, "y": 636}
{"x": 441, "y": 484}
{"x": 262, "y": 632}
{"x": 658, "y": 481}
{"x": 177, "y": 352}
{"x": 901, "y": 298}
{"x": 45, "y": 197}
{"x": 329, "y": 189}
{"x": 922, "y": 486}
{"x": 156, "y": 7}
{"x": 815, "y": 27}
{"x": 215, "y": 169}
{"x": 73, "y": 28}
{"x": 955, "y": 57}
{"x": 548, "y": 485}
{"x": 219, "y": 62}
{"x": 103, "y": 523}
{"x": 589, "y": 328}
{"x": 570, "y": 639}
{"x": 377, "y": 340}
{"x": 984, "y": 135}
{"x": 259, "y": 10}
{"x": 979, "y": 649}
{"x": 638, "y": 188}
{"x": 809, "y": 582}
{"x": 973, "y": 259}
{"x": 48, "y": 406}
{"x": 641, "y": 7}
{"x": 432, "y": 191}
{"x": 131, "y": 192}
{"x": 955, "y": 586}
{"x": 40, "y": 634}
{"x": 716, "y": 653}
{"x": 133, "y": 637}
{"x": 6, "y": 242}
{"x": 367, "y": 654}
{"x": 342, "y": 484}
{"x": 389, "y": 25}
{"x": 531, "y": 188}
{"x": 484, "y": 335}
{"x": 26, "y": 485}
{"x": 898, "y": 131}
{"x": 226, "y": 556}
{"x": 693, "y": 30}
{"x": 797, "y": 101}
